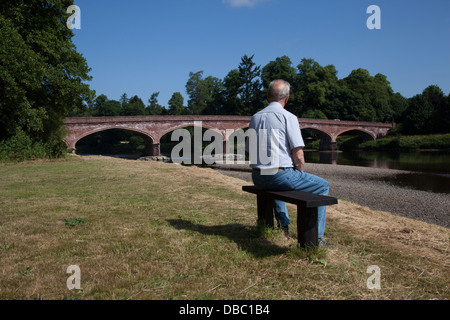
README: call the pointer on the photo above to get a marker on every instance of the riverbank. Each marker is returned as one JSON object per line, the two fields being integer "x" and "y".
{"x": 417, "y": 142}
{"x": 371, "y": 187}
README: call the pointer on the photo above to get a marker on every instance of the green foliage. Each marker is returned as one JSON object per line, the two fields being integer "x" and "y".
{"x": 21, "y": 147}
{"x": 280, "y": 68}
{"x": 74, "y": 222}
{"x": 312, "y": 144}
{"x": 104, "y": 107}
{"x": 314, "y": 114}
{"x": 315, "y": 85}
{"x": 439, "y": 141}
{"x": 202, "y": 92}
{"x": 242, "y": 89}
{"x": 154, "y": 108}
{"x": 133, "y": 107}
{"x": 348, "y": 142}
{"x": 176, "y": 104}
{"x": 41, "y": 76}
{"x": 312, "y": 255}
{"x": 249, "y": 90}
{"x": 428, "y": 112}
{"x": 264, "y": 231}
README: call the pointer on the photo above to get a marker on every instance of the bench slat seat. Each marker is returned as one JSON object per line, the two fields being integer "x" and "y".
{"x": 300, "y": 198}
{"x": 307, "y": 204}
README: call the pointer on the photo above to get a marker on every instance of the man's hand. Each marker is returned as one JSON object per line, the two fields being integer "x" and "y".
{"x": 299, "y": 159}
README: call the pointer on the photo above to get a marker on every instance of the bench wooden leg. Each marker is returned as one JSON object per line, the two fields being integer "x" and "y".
{"x": 307, "y": 227}
{"x": 265, "y": 211}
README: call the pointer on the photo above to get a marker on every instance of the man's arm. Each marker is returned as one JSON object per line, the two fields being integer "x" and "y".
{"x": 299, "y": 159}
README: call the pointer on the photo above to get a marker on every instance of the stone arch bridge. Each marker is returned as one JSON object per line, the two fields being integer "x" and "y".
{"x": 153, "y": 128}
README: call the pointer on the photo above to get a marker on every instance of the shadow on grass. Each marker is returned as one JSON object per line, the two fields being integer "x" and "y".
{"x": 245, "y": 237}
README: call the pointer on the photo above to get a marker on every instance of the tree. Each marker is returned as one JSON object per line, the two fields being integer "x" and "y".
{"x": 317, "y": 86}
{"x": 232, "y": 103}
{"x": 202, "y": 93}
{"x": 399, "y": 105}
{"x": 280, "y": 68}
{"x": 103, "y": 107}
{"x": 214, "y": 88}
{"x": 250, "y": 90}
{"x": 134, "y": 107}
{"x": 214, "y": 102}
{"x": 350, "y": 105}
{"x": 379, "y": 100}
{"x": 427, "y": 112}
{"x": 443, "y": 113}
{"x": 314, "y": 114}
{"x": 176, "y": 104}
{"x": 123, "y": 99}
{"x": 196, "y": 93}
{"x": 154, "y": 108}
{"x": 242, "y": 89}
{"x": 418, "y": 115}
{"x": 42, "y": 76}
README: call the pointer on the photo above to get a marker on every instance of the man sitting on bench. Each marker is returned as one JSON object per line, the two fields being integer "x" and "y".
{"x": 286, "y": 170}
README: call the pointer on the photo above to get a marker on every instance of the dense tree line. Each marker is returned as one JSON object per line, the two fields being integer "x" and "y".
{"x": 316, "y": 93}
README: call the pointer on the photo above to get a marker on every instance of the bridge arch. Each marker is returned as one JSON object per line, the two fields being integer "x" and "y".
{"x": 164, "y": 136}
{"x": 84, "y": 135}
{"x": 364, "y": 134}
{"x": 148, "y": 138}
{"x": 196, "y": 124}
{"x": 327, "y": 140}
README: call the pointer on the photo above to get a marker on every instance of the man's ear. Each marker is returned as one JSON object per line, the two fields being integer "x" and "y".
{"x": 287, "y": 99}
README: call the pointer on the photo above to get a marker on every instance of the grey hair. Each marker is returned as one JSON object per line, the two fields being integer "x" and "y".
{"x": 277, "y": 93}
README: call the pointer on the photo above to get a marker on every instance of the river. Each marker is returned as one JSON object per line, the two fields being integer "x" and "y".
{"x": 425, "y": 170}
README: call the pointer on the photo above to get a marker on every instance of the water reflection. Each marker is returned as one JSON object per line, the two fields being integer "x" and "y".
{"x": 435, "y": 162}
{"x": 431, "y": 170}
{"x": 438, "y": 183}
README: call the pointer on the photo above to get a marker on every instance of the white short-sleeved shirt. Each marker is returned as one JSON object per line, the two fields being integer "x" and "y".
{"x": 275, "y": 125}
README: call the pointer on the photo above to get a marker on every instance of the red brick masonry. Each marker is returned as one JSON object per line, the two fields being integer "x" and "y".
{"x": 154, "y": 127}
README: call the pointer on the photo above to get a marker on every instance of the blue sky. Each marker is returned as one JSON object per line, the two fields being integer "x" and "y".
{"x": 144, "y": 46}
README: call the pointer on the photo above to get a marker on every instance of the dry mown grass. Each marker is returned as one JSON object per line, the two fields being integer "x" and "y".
{"x": 162, "y": 231}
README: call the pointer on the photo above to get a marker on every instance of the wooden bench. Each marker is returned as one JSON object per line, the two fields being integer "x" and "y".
{"x": 307, "y": 204}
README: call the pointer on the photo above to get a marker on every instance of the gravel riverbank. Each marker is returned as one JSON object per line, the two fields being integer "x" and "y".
{"x": 367, "y": 187}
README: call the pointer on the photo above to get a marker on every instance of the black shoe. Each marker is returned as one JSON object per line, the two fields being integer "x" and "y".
{"x": 324, "y": 244}
{"x": 286, "y": 231}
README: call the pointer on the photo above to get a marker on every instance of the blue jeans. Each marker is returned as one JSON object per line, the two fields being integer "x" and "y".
{"x": 291, "y": 179}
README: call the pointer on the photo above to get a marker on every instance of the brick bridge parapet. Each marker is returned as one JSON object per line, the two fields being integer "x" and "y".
{"x": 153, "y": 128}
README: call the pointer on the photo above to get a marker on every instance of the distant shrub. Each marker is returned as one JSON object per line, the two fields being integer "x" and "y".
{"x": 439, "y": 141}
{"x": 21, "y": 147}
{"x": 348, "y": 142}
{"x": 313, "y": 145}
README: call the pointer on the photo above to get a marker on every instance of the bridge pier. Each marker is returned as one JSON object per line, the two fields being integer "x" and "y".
{"x": 327, "y": 146}
{"x": 152, "y": 149}
{"x": 327, "y": 143}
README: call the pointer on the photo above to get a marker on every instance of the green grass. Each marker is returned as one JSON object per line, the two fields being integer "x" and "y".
{"x": 73, "y": 222}
{"x": 145, "y": 230}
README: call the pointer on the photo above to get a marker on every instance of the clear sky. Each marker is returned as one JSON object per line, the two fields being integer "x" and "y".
{"x": 144, "y": 46}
